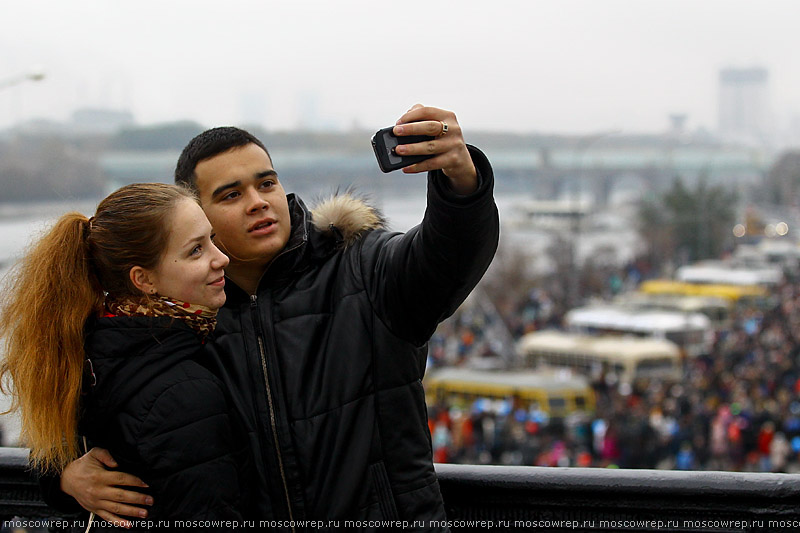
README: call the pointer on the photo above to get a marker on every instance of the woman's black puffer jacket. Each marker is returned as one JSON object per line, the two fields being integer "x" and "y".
{"x": 165, "y": 418}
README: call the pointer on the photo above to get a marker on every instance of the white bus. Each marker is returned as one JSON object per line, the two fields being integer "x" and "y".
{"x": 692, "y": 332}
{"x": 630, "y": 358}
{"x": 710, "y": 272}
{"x": 717, "y": 309}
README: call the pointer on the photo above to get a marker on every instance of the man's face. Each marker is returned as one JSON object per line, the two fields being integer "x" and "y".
{"x": 245, "y": 203}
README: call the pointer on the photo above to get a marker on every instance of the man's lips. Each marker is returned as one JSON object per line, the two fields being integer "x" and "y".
{"x": 262, "y": 226}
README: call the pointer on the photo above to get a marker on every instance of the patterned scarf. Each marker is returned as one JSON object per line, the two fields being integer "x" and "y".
{"x": 200, "y": 318}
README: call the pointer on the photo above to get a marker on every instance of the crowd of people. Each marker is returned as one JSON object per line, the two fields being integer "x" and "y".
{"x": 736, "y": 408}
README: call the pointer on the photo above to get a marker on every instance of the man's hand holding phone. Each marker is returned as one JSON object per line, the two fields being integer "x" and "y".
{"x": 444, "y": 147}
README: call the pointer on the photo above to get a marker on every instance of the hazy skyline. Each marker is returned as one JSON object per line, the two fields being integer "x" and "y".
{"x": 523, "y": 66}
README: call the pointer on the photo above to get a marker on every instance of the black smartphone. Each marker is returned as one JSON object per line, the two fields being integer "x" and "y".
{"x": 384, "y": 143}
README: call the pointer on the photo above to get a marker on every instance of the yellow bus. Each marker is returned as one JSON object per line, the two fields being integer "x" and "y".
{"x": 736, "y": 295}
{"x": 630, "y": 358}
{"x": 556, "y": 393}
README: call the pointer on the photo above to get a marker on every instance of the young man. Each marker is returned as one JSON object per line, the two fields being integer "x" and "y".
{"x": 322, "y": 341}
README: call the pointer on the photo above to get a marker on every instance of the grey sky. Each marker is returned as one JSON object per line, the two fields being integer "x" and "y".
{"x": 555, "y": 66}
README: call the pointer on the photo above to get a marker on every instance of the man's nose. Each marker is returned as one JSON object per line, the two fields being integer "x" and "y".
{"x": 255, "y": 202}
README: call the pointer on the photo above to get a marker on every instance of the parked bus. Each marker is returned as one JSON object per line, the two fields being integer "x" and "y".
{"x": 780, "y": 252}
{"x": 556, "y": 393}
{"x": 710, "y": 272}
{"x": 736, "y": 295}
{"x": 630, "y": 358}
{"x": 692, "y": 332}
{"x": 717, "y": 309}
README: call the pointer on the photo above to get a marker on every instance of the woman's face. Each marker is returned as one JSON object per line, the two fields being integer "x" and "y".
{"x": 191, "y": 267}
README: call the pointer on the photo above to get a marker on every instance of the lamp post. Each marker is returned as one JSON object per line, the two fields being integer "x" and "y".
{"x": 581, "y": 146}
{"x": 32, "y": 75}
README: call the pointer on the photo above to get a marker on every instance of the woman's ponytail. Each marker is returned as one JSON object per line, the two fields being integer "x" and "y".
{"x": 46, "y": 301}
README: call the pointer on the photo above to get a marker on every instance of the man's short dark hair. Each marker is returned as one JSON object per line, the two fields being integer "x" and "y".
{"x": 208, "y": 144}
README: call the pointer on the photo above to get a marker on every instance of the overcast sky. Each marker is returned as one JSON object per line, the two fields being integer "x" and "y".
{"x": 523, "y": 65}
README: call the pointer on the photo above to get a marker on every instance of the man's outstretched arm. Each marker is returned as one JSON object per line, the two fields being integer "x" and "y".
{"x": 417, "y": 279}
{"x": 97, "y": 489}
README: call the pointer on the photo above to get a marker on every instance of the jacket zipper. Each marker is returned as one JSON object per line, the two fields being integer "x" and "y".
{"x": 270, "y": 403}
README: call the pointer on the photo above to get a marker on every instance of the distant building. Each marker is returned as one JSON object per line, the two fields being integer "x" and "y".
{"x": 102, "y": 121}
{"x": 744, "y": 114}
{"x": 253, "y": 108}
{"x": 85, "y": 121}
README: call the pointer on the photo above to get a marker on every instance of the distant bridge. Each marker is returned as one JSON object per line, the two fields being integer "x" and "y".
{"x": 560, "y": 171}
{"x": 548, "y": 170}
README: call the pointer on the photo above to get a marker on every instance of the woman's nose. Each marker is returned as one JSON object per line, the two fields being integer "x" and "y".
{"x": 220, "y": 260}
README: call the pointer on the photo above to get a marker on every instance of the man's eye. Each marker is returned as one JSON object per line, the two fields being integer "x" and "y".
{"x": 232, "y": 194}
{"x": 267, "y": 183}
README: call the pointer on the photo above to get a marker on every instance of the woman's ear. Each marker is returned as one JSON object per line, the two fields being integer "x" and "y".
{"x": 143, "y": 279}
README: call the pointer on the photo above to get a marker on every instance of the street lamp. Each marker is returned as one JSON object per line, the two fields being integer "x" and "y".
{"x": 581, "y": 146}
{"x": 32, "y": 75}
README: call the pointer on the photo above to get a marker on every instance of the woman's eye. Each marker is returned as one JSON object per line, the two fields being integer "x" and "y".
{"x": 196, "y": 250}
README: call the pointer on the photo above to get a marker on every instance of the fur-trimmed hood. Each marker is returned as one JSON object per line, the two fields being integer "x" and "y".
{"x": 346, "y": 216}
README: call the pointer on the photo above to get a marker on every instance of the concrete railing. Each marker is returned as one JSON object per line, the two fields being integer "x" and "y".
{"x": 555, "y": 499}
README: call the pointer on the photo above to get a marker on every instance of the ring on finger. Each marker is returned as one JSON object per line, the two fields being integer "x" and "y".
{"x": 444, "y": 129}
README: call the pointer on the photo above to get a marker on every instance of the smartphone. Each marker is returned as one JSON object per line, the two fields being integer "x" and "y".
{"x": 384, "y": 143}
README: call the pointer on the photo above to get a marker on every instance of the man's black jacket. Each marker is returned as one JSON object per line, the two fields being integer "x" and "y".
{"x": 326, "y": 359}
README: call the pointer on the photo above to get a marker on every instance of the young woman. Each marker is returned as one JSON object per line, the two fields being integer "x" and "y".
{"x": 104, "y": 326}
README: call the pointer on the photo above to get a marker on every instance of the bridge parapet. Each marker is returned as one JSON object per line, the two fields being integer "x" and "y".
{"x": 554, "y": 499}
{"x": 591, "y": 499}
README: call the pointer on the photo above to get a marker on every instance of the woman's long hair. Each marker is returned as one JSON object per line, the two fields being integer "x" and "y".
{"x": 56, "y": 287}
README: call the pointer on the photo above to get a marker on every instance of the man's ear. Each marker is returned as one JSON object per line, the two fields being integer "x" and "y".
{"x": 143, "y": 279}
